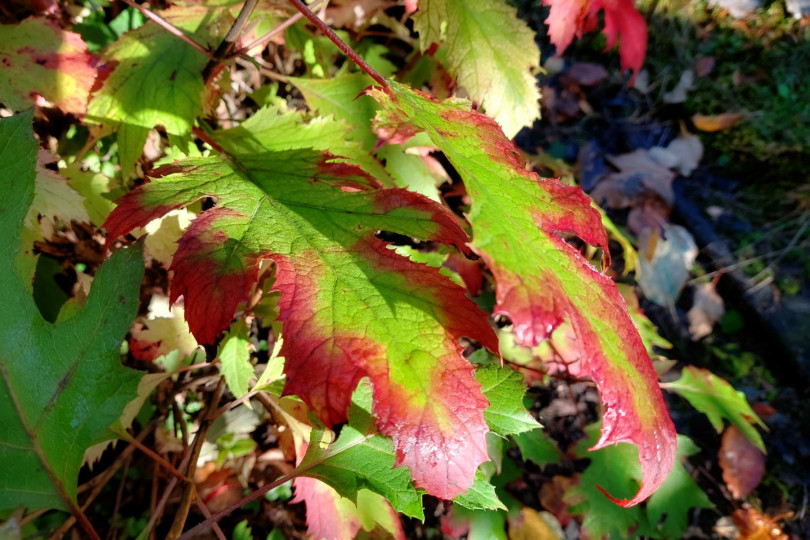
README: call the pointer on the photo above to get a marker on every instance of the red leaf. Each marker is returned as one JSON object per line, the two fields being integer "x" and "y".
{"x": 742, "y": 462}
{"x": 569, "y": 18}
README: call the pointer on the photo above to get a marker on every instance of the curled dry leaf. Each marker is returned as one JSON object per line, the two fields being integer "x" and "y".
{"x": 706, "y": 310}
{"x": 743, "y": 463}
{"x": 754, "y": 525}
{"x": 716, "y": 122}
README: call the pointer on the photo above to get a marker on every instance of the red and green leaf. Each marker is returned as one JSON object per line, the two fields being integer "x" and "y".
{"x": 39, "y": 60}
{"x": 518, "y": 222}
{"x": 350, "y": 307}
{"x": 569, "y": 18}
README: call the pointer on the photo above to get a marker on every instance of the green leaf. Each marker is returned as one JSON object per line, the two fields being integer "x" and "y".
{"x": 504, "y": 388}
{"x": 62, "y": 385}
{"x": 481, "y": 496}
{"x": 361, "y": 459}
{"x": 677, "y": 496}
{"x": 718, "y": 400}
{"x": 411, "y": 167}
{"x": 274, "y": 129}
{"x": 614, "y": 469}
{"x": 156, "y": 79}
{"x": 537, "y": 447}
{"x": 490, "y": 51}
{"x": 338, "y": 96}
{"x": 234, "y": 357}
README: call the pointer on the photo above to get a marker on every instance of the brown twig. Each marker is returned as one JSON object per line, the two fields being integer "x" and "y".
{"x": 207, "y": 513}
{"x": 225, "y": 48}
{"x": 154, "y": 456}
{"x": 269, "y": 35}
{"x": 98, "y": 484}
{"x": 119, "y": 495}
{"x": 342, "y": 45}
{"x": 157, "y": 511}
{"x": 239, "y": 504}
{"x": 190, "y": 491}
{"x": 169, "y": 27}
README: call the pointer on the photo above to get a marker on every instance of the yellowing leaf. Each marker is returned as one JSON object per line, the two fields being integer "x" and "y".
{"x": 716, "y": 122}
{"x": 39, "y": 60}
{"x": 490, "y": 52}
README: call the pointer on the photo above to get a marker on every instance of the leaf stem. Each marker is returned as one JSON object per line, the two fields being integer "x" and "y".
{"x": 172, "y": 29}
{"x": 192, "y": 532}
{"x": 151, "y": 453}
{"x": 190, "y": 490}
{"x": 342, "y": 45}
{"x": 269, "y": 35}
{"x": 225, "y": 48}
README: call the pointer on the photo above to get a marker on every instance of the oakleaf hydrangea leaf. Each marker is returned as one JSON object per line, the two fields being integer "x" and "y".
{"x": 718, "y": 400}
{"x": 350, "y": 307}
{"x": 677, "y": 496}
{"x": 614, "y": 468}
{"x": 61, "y": 386}
{"x": 154, "y": 79}
{"x": 480, "y": 496}
{"x": 537, "y": 447}
{"x": 234, "y": 357}
{"x": 504, "y": 388}
{"x": 542, "y": 281}
{"x": 331, "y": 516}
{"x": 271, "y": 129}
{"x": 336, "y": 96}
{"x": 490, "y": 51}
{"x": 40, "y": 60}
{"x": 360, "y": 459}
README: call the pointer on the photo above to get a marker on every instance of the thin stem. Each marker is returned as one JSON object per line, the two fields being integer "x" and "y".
{"x": 269, "y": 35}
{"x": 190, "y": 491}
{"x": 207, "y": 513}
{"x": 239, "y": 504}
{"x": 172, "y": 29}
{"x": 342, "y": 45}
{"x": 157, "y": 458}
{"x": 98, "y": 484}
{"x": 225, "y": 48}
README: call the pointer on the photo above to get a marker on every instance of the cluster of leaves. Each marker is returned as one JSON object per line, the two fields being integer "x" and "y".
{"x": 325, "y": 232}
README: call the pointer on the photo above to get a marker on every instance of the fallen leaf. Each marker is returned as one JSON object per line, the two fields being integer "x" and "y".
{"x": 678, "y": 94}
{"x": 665, "y": 262}
{"x": 532, "y": 525}
{"x": 743, "y": 463}
{"x": 716, "y": 122}
{"x": 706, "y": 310}
{"x": 551, "y": 497}
{"x": 754, "y": 525}
{"x": 683, "y": 154}
{"x": 704, "y": 65}
{"x": 587, "y": 73}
